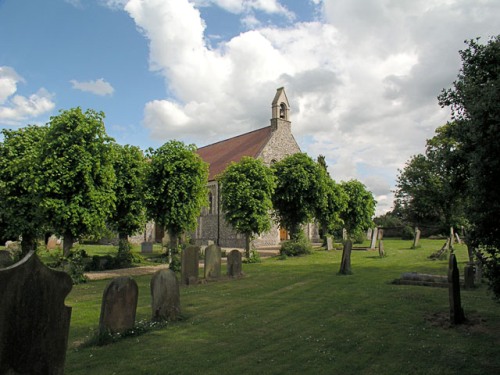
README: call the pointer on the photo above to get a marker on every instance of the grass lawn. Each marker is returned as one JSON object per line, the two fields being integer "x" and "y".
{"x": 297, "y": 316}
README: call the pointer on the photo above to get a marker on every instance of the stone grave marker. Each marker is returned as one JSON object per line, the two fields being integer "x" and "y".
{"x": 469, "y": 275}
{"x": 345, "y": 265}
{"x": 369, "y": 234}
{"x": 34, "y": 322}
{"x": 165, "y": 296}
{"x": 234, "y": 263}
{"x": 53, "y": 242}
{"x": 119, "y": 305}
{"x": 416, "y": 239}
{"x": 456, "y": 311}
{"x": 146, "y": 247}
{"x": 189, "y": 265}
{"x": 329, "y": 243}
{"x": 212, "y": 262}
{"x": 373, "y": 243}
{"x": 380, "y": 235}
{"x": 344, "y": 234}
{"x": 381, "y": 250}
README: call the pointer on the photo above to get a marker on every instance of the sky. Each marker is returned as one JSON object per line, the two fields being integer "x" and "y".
{"x": 362, "y": 76}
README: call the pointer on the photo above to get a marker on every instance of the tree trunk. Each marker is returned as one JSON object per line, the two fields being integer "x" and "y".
{"x": 27, "y": 244}
{"x": 247, "y": 245}
{"x": 67, "y": 243}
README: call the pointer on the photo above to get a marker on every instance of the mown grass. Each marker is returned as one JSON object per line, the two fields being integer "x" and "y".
{"x": 297, "y": 316}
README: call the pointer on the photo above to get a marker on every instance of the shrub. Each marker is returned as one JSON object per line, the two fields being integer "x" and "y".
{"x": 408, "y": 233}
{"x": 359, "y": 237}
{"x": 254, "y": 257}
{"x": 301, "y": 246}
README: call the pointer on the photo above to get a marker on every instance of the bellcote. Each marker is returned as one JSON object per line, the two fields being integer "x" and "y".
{"x": 280, "y": 110}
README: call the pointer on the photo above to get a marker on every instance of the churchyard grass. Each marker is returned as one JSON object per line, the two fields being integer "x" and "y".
{"x": 298, "y": 316}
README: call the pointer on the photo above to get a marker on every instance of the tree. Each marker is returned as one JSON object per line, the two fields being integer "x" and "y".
{"x": 129, "y": 216}
{"x": 246, "y": 191}
{"x": 78, "y": 176}
{"x": 176, "y": 182}
{"x": 474, "y": 101}
{"x": 20, "y": 209}
{"x": 430, "y": 189}
{"x": 333, "y": 201}
{"x": 360, "y": 207}
{"x": 297, "y": 192}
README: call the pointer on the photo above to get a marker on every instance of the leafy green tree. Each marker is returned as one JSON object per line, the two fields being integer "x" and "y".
{"x": 20, "y": 209}
{"x": 297, "y": 192}
{"x": 176, "y": 182}
{"x": 430, "y": 189}
{"x": 474, "y": 100}
{"x": 246, "y": 191}
{"x": 360, "y": 209}
{"x": 129, "y": 215}
{"x": 332, "y": 202}
{"x": 78, "y": 175}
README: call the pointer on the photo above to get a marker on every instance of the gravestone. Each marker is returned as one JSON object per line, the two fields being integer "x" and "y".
{"x": 416, "y": 239}
{"x": 469, "y": 275}
{"x": 146, "y": 247}
{"x": 381, "y": 250}
{"x": 380, "y": 234}
{"x": 119, "y": 305}
{"x": 369, "y": 233}
{"x": 34, "y": 322}
{"x": 329, "y": 243}
{"x": 373, "y": 244}
{"x": 459, "y": 241}
{"x": 344, "y": 234}
{"x": 478, "y": 276}
{"x": 345, "y": 264}
{"x": 165, "y": 296}
{"x": 212, "y": 262}
{"x": 234, "y": 263}
{"x": 189, "y": 265}
{"x": 456, "y": 311}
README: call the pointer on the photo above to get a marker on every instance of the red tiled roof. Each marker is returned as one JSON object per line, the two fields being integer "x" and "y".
{"x": 219, "y": 155}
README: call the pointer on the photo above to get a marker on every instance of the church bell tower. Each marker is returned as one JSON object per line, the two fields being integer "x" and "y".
{"x": 280, "y": 111}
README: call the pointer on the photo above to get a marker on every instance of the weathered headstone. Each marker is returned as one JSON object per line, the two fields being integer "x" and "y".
{"x": 380, "y": 234}
{"x": 416, "y": 239}
{"x": 369, "y": 233}
{"x": 478, "y": 276}
{"x": 212, "y": 262}
{"x": 345, "y": 264}
{"x": 459, "y": 241}
{"x": 469, "y": 275}
{"x": 234, "y": 263}
{"x": 329, "y": 243}
{"x": 456, "y": 311}
{"x": 119, "y": 305}
{"x": 344, "y": 234}
{"x": 190, "y": 264}
{"x": 373, "y": 243}
{"x": 381, "y": 250}
{"x": 146, "y": 247}
{"x": 34, "y": 322}
{"x": 165, "y": 296}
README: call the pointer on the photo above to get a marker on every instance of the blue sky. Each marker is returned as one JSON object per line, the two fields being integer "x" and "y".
{"x": 362, "y": 76}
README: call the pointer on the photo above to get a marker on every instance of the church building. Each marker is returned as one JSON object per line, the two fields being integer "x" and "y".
{"x": 270, "y": 144}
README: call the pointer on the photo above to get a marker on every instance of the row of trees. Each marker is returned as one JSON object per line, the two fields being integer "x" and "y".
{"x": 71, "y": 179}
{"x": 456, "y": 181}
{"x": 297, "y": 189}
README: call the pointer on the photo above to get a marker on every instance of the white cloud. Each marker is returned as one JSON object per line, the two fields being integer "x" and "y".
{"x": 98, "y": 87}
{"x": 362, "y": 83}
{"x": 14, "y": 109}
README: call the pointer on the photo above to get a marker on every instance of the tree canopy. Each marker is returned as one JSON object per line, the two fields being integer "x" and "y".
{"x": 129, "y": 215}
{"x": 176, "y": 189}
{"x": 474, "y": 101}
{"x": 297, "y": 192}
{"x": 78, "y": 175}
{"x": 20, "y": 210}
{"x": 360, "y": 207}
{"x": 246, "y": 193}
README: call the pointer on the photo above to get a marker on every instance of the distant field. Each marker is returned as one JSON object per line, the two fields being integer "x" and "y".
{"x": 297, "y": 316}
